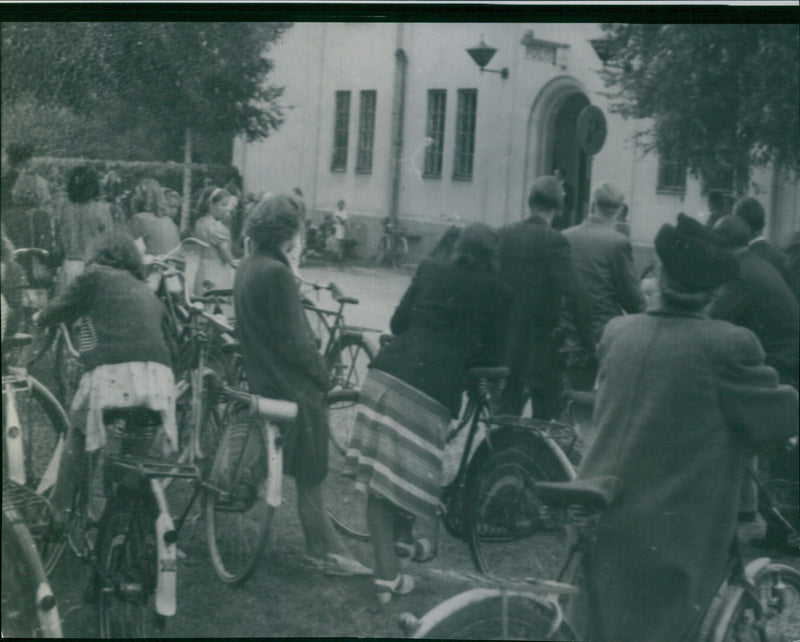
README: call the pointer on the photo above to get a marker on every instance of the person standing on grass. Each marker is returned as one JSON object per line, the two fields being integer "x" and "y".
{"x": 123, "y": 350}
{"x": 452, "y": 317}
{"x": 282, "y": 361}
{"x": 681, "y": 401}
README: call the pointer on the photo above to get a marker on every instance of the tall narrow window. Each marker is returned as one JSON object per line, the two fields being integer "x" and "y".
{"x": 671, "y": 175}
{"x": 437, "y": 105}
{"x": 366, "y": 132}
{"x": 465, "y": 133}
{"x": 340, "y": 132}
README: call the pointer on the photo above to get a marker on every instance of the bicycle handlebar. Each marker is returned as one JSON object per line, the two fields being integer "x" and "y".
{"x": 23, "y": 252}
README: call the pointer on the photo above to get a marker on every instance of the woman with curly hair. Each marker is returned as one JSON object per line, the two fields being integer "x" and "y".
{"x": 122, "y": 348}
{"x": 83, "y": 217}
{"x": 281, "y": 361}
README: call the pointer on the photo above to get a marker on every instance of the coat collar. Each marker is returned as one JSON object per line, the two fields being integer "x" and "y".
{"x": 666, "y": 310}
{"x": 536, "y": 219}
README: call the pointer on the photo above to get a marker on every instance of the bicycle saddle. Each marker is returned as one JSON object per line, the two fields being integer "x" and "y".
{"x": 492, "y": 374}
{"x": 596, "y": 492}
{"x": 17, "y": 341}
{"x": 132, "y": 416}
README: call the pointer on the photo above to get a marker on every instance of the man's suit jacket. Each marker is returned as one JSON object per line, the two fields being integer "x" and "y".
{"x": 536, "y": 262}
{"x": 604, "y": 260}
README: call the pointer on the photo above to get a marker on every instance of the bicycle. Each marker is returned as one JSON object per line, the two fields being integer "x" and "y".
{"x": 759, "y": 602}
{"x": 490, "y": 503}
{"x": 393, "y": 245}
{"x": 346, "y": 350}
{"x": 29, "y": 608}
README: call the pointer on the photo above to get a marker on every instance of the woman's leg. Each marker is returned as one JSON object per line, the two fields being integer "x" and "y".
{"x": 380, "y": 520}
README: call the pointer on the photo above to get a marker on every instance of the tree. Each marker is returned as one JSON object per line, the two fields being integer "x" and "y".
{"x": 183, "y": 77}
{"x": 723, "y": 98}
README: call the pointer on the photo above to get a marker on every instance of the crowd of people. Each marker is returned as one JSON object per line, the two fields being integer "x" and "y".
{"x": 690, "y": 379}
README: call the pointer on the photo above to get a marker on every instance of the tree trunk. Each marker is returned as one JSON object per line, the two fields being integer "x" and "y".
{"x": 187, "y": 179}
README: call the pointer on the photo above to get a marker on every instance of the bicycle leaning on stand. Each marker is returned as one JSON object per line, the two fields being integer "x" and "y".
{"x": 490, "y": 503}
{"x": 760, "y": 602}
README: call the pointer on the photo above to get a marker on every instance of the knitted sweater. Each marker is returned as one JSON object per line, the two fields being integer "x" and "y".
{"x": 118, "y": 315}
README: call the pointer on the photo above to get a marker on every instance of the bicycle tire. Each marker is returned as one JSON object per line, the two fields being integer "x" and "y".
{"x": 346, "y": 505}
{"x": 507, "y": 533}
{"x": 28, "y": 609}
{"x": 238, "y": 523}
{"x": 127, "y": 558}
{"x": 778, "y": 589}
{"x": 488, "y": 614}
{"x": 348, "y": 362}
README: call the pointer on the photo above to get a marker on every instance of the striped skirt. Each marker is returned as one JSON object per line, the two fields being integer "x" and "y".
{"x": 397, "y": 448}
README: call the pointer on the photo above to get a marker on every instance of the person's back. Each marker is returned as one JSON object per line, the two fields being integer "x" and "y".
{"x": 450, "y": 319}
{"x": 604, "y": 260}
{"x": 159, "y": 233}
{"x": 681, "y": 400}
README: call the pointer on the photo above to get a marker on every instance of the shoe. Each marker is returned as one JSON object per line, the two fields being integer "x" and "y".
{"x": 343, "y": 565}
{"x": 420, "y": 551}
{"x": 401, "y": 585}
{"x": 312, "y": 563}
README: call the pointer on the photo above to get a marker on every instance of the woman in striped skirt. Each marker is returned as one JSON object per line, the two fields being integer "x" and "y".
{"x": 452, "y": 317}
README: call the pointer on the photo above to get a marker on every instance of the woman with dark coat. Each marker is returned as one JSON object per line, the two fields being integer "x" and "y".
{"x": 281, "y": 361}
{"x": 452, "y": 317}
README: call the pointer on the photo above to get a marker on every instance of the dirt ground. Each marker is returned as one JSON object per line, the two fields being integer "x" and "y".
{"x": 282, "y": 599}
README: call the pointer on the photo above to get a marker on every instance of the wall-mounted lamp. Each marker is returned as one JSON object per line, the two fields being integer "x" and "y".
{"x": 482, "y": 54}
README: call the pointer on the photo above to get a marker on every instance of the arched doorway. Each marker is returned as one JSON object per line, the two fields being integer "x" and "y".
{"x": 552, "y": 141}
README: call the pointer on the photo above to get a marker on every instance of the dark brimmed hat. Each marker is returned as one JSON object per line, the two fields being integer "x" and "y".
{"x": 694, "y": 256}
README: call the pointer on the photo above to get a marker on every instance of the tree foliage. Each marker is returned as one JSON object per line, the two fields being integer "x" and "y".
{"x": 723, "y": 98}
{"x": 163, "y": 76}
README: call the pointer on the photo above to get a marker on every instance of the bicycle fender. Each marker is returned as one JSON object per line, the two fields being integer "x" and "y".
{"x": 275, "y": 466}
{"x": 48, "y": 480}
{"x": 48, "y": 611}
{"x": 166, "y": 601}
{"x": 13, "y": 439}
{"x": 498, "y": 431}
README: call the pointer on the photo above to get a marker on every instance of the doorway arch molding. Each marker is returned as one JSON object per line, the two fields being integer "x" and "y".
{"x": 541, "y": 127}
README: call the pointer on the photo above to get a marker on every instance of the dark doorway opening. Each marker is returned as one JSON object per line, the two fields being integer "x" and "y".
{"x": 568, "y": 157}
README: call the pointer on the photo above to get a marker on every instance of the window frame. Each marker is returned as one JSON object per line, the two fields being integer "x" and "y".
{"x": 366, "y": 131}
{"x": 341, "y": 131}
{"x": 464, "y": 147}
{"x": 675, "y": 167}
{"x": 435, "y": 129}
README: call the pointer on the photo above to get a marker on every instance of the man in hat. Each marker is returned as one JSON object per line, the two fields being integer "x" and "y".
{"x": 535, "y": 261}
{"x": 603, "y": 259}
{"x": 681, "y": 401}
{"x": 751, "y": 212}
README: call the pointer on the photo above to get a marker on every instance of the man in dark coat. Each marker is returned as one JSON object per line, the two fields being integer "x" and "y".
{"x": 603, "y": 259}
{"x": 535, "y": 261}
{"x": 752, "y": 212}
{"x": 281, "y": 361}
{"x": 681, "y": 400}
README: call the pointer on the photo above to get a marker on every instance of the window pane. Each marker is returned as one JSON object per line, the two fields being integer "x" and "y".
{"x": 340, "y": 131}
{"x": 671, "y": 175}
{"x": 437, "y": 103}
{"x": 465, "y": 133}
{"x": 366, "y": 131}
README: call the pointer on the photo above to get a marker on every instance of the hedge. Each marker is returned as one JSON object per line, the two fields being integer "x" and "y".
{"x": 170, "y": 174}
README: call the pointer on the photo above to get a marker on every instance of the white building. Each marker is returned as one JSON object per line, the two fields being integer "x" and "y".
{"x": 398, "y": 119}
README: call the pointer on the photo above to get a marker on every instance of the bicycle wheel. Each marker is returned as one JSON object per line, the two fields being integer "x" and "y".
{"x": 346, "y": 505}
{"x": 487, "y": 614}
{"x": 348, "y": 362}
{"x": 68, "y": 370}
{"x": 127, "y": 557}
{"x": 509, "y": 532}
{"x": 778, "y": 588}
{"x": 238, "y": 519}
{"x": 400, "y": 251}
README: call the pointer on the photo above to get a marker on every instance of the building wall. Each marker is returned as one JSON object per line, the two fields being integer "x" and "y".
{"x": 513, "y": 128}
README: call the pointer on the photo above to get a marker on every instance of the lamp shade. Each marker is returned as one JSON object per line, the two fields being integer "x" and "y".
{"x": 481, "y": 54}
